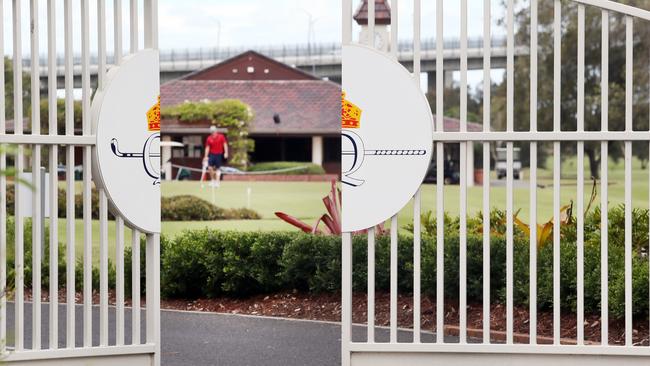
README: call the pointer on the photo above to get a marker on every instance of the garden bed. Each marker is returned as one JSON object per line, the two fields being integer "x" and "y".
{"x": 327, "y": 307}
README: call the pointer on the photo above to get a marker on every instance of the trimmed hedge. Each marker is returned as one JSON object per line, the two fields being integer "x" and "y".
{"x": 310, "y": 168}
{"x": 209, "y": 263}
{"x": 192, "y": 208}
{"x": 45, "y": 261}
{"x": 214, "y": 263}
{"x": 176, "y": 208}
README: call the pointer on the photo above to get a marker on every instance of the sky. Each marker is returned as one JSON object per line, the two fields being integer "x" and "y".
{"x": 249, "y": 23}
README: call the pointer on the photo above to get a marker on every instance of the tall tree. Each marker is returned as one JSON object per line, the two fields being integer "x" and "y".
{"x": 9, "y": 90}
{"x": 593, "y": 69}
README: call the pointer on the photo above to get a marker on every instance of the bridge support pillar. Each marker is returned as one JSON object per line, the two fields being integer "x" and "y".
{"x": 448, "y": 80}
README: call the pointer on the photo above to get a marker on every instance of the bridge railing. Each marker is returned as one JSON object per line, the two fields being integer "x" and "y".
{"x": 319, "y": 51}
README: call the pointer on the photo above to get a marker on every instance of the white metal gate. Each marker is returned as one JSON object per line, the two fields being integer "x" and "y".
{"x": 99, "y": 342}
{"x": 482, "y": 351}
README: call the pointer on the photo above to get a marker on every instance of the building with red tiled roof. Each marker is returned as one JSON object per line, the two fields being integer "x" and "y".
{"x": 297, "y": 116}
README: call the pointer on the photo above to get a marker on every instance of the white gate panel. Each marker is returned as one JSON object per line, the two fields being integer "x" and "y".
{"x": 482, "y": 351}
{"x": 26, "y": 147}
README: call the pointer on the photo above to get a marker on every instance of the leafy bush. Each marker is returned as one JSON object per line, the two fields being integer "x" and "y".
{"x": 192, "y": 208}
{"x": 210, "y": 263}
{"x": 308, "y": 168}
{"x": 28, "y": 267}
{"x": 231, "y": 114}
{"x": 214, "y": 263}
{"x": 176, "y": 208}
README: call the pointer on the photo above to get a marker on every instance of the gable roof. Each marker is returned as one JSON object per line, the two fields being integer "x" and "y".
{"x": 249, "y": 65}
{"x": 305, "y": 107}
{"x": 382, "y": 13}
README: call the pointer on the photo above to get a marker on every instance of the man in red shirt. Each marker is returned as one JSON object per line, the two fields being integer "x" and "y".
{"x": 216, "y": 151}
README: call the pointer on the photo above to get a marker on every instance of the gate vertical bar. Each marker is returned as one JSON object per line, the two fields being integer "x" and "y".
{"x": 487, "y": 89}
{"x": 629, "y": 84}
{"x": 153, "y": 294}
{"x": 417, "y": 197}
{"x": 19, "y": 269}
{"x": 87, "y": 198}
{"x": 346, "y": 238}
{"x": 119, "y": 221}
{"x": 557, "y": 65}
{"x": 103, "y": 200}
{"x": 135, "y": 286}
{"x": 440, "y": 209}
{"x": 117, "y": 30}
{"x": 103, "y": 268}
{"x": 393, "y": 278}
{"x": 153, "y": 240}
{"x": 509, "y": 174}
{"x": 604, "y": 160}
{"x": 533, "y": 172}
{"x": 37, "y": 239}
{"x": 119, "y": 280}
{"x": 394, "y": 43}
{"x": 3, "y": 199}
{"x": 417, "y": 242}
{"x": 133, "y": 27}
{"x": 371, "y": 285}
{"x": 371, "y": 23}
{"x": 462, "y": 311}
{"x": 70, "y": 180}
{"x": 54, "y": 189}
{"x": 581, "y": 177}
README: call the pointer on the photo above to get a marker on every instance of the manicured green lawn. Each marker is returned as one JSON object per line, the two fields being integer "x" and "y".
{"x": 521, "y": 194}
{"x": 300, "y": 199}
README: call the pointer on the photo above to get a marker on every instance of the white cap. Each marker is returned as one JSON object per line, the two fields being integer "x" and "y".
{"x": 213, "y": 129}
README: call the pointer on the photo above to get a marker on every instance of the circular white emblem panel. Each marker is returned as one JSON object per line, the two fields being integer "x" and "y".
{"x": 126, "y": 121}
{"x": 386, "y": 137}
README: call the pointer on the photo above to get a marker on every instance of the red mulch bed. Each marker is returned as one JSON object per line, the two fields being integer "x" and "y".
{"x": 327, "y": 307}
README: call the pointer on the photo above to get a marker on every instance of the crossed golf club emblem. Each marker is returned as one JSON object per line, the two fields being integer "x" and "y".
{"x": 153, "y": 170}
{"x": 358, "y": 153}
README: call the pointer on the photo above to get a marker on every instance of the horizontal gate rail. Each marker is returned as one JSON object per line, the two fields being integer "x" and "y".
{"x": 541, "y": 136}
{"x": 48, "y": 140}
{"x": 68, "y": 353}
{"x": 500, "y": 349}
{"x": 617, "y": 7}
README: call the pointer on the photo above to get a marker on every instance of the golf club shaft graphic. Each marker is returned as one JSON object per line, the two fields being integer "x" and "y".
{"x": 116, "y": 150}
{"x": 388, "y": 152}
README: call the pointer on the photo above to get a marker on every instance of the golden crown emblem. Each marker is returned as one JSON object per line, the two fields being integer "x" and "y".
{"x": 153, "y": 117}
{"x": 350, "y": 114}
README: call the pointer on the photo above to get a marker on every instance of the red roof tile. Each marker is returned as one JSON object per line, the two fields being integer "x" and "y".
{"x": 305, "y": 107}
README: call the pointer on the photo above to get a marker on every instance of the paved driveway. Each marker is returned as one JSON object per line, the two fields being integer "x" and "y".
{"x": 192, "y": 338}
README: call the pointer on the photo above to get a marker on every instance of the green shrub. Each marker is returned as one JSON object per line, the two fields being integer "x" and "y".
{"x": 176, "y": 208}
{"x": 210, "y": 263}
{"x": 192, "y": 208}
{"x": 309, "y": 168}
{"x": 213, "y": 263}
{"x": 232, "y": 114}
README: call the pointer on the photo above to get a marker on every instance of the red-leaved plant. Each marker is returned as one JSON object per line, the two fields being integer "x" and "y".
{"x": 331, "y": 220}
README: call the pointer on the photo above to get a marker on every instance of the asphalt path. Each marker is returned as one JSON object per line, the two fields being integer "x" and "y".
{"x": 196, "y": 338}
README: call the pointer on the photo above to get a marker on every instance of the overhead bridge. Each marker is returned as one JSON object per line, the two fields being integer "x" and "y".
{"x": 322, "y": 60}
